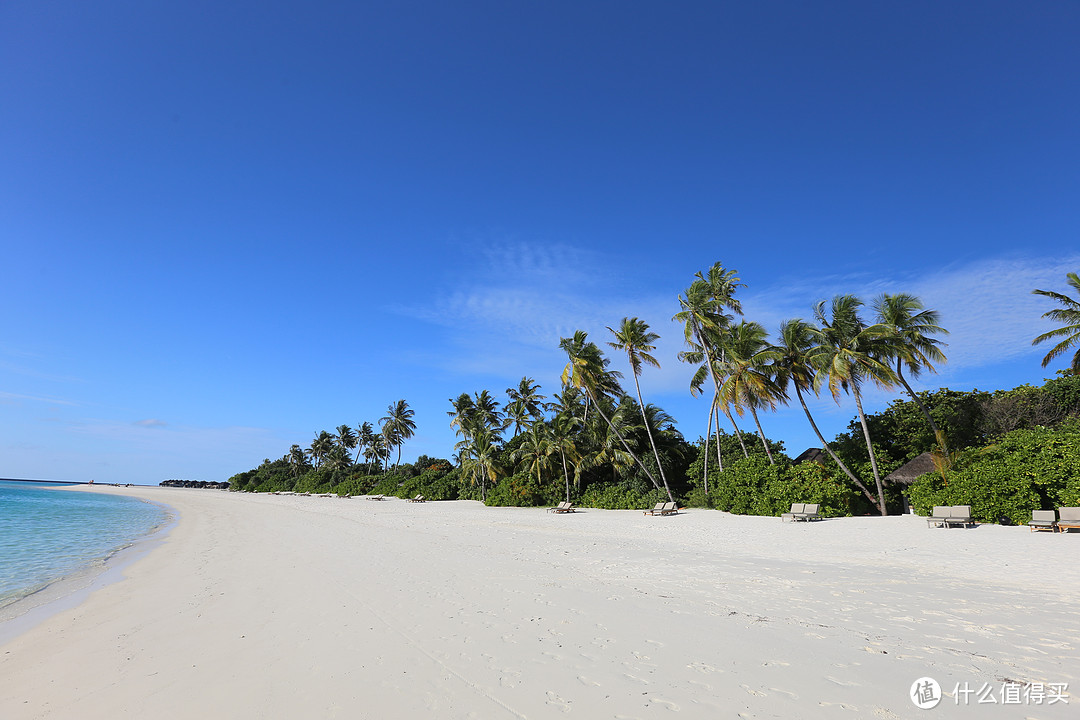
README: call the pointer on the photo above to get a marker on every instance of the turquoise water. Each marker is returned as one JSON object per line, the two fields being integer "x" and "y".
{"x": 47, "y": 534}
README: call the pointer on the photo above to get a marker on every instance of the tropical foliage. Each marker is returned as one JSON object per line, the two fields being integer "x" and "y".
{"x": 593, "y": 442}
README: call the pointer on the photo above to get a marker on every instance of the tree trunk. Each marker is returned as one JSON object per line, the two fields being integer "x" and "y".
{"x": 761, "y": 435}
{"x": 826, "y": 448}
{"x": 705, "y": 451}
{"x": 738, "y": 433}
{"x": 652, "y": 441}
{"x": 630, "y": 452}
{"x": 938, "y": 434}
{"x": 565, "y": 474}
{"x": 869, "y": 448}
{"x": 715, "y": 410}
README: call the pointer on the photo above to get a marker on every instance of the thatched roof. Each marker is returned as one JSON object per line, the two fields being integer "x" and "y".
{"x": 813, "y": 454}
{"x": 906, "y": 473}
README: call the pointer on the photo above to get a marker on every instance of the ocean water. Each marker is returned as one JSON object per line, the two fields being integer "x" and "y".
{"x": 47, "y": 534}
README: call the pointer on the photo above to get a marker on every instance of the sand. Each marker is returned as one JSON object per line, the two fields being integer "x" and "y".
{"x": 259, "y": 606}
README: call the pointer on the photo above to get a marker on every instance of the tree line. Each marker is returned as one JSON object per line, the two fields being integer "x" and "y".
{"x": 596, "y": 442}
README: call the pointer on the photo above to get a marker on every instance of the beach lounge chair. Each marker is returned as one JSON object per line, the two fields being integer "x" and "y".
{"x": 810, "y": 512}
{"x": 418, "y": 498}
{"x": 1043, "y": 520}
{"x": 375, "y": 497}
{"x": 938, "y": 517}
{"x": 1068, "y": 519}
{"x": 796, "y": 509}
{"x": 668, "y": 508}
{"x": 563, "y": 507}
{"x": 959, "y": 515}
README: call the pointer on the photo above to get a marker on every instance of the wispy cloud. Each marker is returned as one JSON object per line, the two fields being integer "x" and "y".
{"x": 35, "y": 398}
{"x": 151, "y": 423}
{"x": 507, "y": 320}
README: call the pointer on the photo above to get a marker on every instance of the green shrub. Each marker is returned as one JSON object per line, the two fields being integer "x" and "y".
{"x": 1027, "y": 470}
{"x": 520, "y": 490}
{"x": 808, "y": 482}
{"x": 740, "y": 488}
{"x": 619, "y": 497}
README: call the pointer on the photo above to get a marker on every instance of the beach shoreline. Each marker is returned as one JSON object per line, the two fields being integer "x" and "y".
{"x": 279, "y": 607}
{"x": 68, "y": 591}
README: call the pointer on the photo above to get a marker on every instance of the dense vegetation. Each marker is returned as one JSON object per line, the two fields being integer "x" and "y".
{"x": 592, "y": 442}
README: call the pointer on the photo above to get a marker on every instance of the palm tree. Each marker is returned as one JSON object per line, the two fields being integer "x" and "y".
{"x": 587, "y": 370}
{"x": 534, "y": 452}
{"x": 796, "y": 368}
{"x": 365, "y": 436}
{"x": 1069, "y": 315}
{"x": 847, "y": 355}
{"x": 400, "y": 422}
{"x": 461, "y": 415}
{"x": 320, "y": 446}
{"x": 563, "y": 438}
{"x": 748, "y": 383}
{"x": 338, "y": 458}
{"x": 479, "y": 459}
{"x": 526, "y": 404}
{"x": 704, "y": 320}
{"x": 297, "y": 460}
{"x": 634, "y": 338}
{"x": 346, "y": 438}
{"x": 911, "y": 344}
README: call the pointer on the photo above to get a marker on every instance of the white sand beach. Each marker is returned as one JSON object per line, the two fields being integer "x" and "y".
{"x": 258, "y": 606}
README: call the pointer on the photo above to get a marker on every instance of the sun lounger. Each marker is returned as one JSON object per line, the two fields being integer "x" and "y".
{"x": 418, "y": 498}
{"x": 939, "y": 517}
{"x": 668, "y": 508}
{"x": 959, "y": 515}
{"x": 810, "y": 512}
{"x": 375, "y": 497}
{"x": 1043, "y": 520}
{"x": 1068, "y": 519}
{"x": 656, "y": 510}
{"x": 564, "y": 507}
{"x": 796, "y": 509}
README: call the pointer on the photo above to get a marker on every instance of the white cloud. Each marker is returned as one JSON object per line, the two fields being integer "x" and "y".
{"x": 507, "y": 321}
{"x": 151, "y": 422}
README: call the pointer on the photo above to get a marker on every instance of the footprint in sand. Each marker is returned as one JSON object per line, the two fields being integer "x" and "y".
{"x": 666, "y": 703}
{"x": 790, "y": 694}
{"x": 752, "y": 691}
{"x": 586, "y": 681}
{"x": 842, "y": 706}
{"x": 703, "y": 668}
{"x": 844, "y": 683}
{"x": 556, "y": 701}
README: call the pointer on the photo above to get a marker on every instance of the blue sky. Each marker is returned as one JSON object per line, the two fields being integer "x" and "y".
{"x": 229, "y": 226}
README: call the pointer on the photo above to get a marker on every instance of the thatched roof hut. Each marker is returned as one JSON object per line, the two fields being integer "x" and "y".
{"x": 813, "y": 454}
{"x": 906, "y": 473}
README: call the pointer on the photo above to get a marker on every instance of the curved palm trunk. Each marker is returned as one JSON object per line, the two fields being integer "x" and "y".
{"x": 625, "y": 445}
{"x": 761, "y": 435}
{"x": 716, "y": 416}
{"x": 826, "y": 448}
{"x": 652, "y": 441}
{"x": 938, "y": 434}
{"x": 738, "y": 433}
{"x": 566, "y": 474}
{"x": 716, "y": 394}
{"x": 870, "y": 449}
{"x": 705, "y": 450}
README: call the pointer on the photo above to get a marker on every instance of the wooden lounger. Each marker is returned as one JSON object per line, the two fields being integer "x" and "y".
{"x": 1068, "y": 519}
{"x": 564, "y": 507}
{"x": 1043, "y": 520}
{"x": 418, "y": 498}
